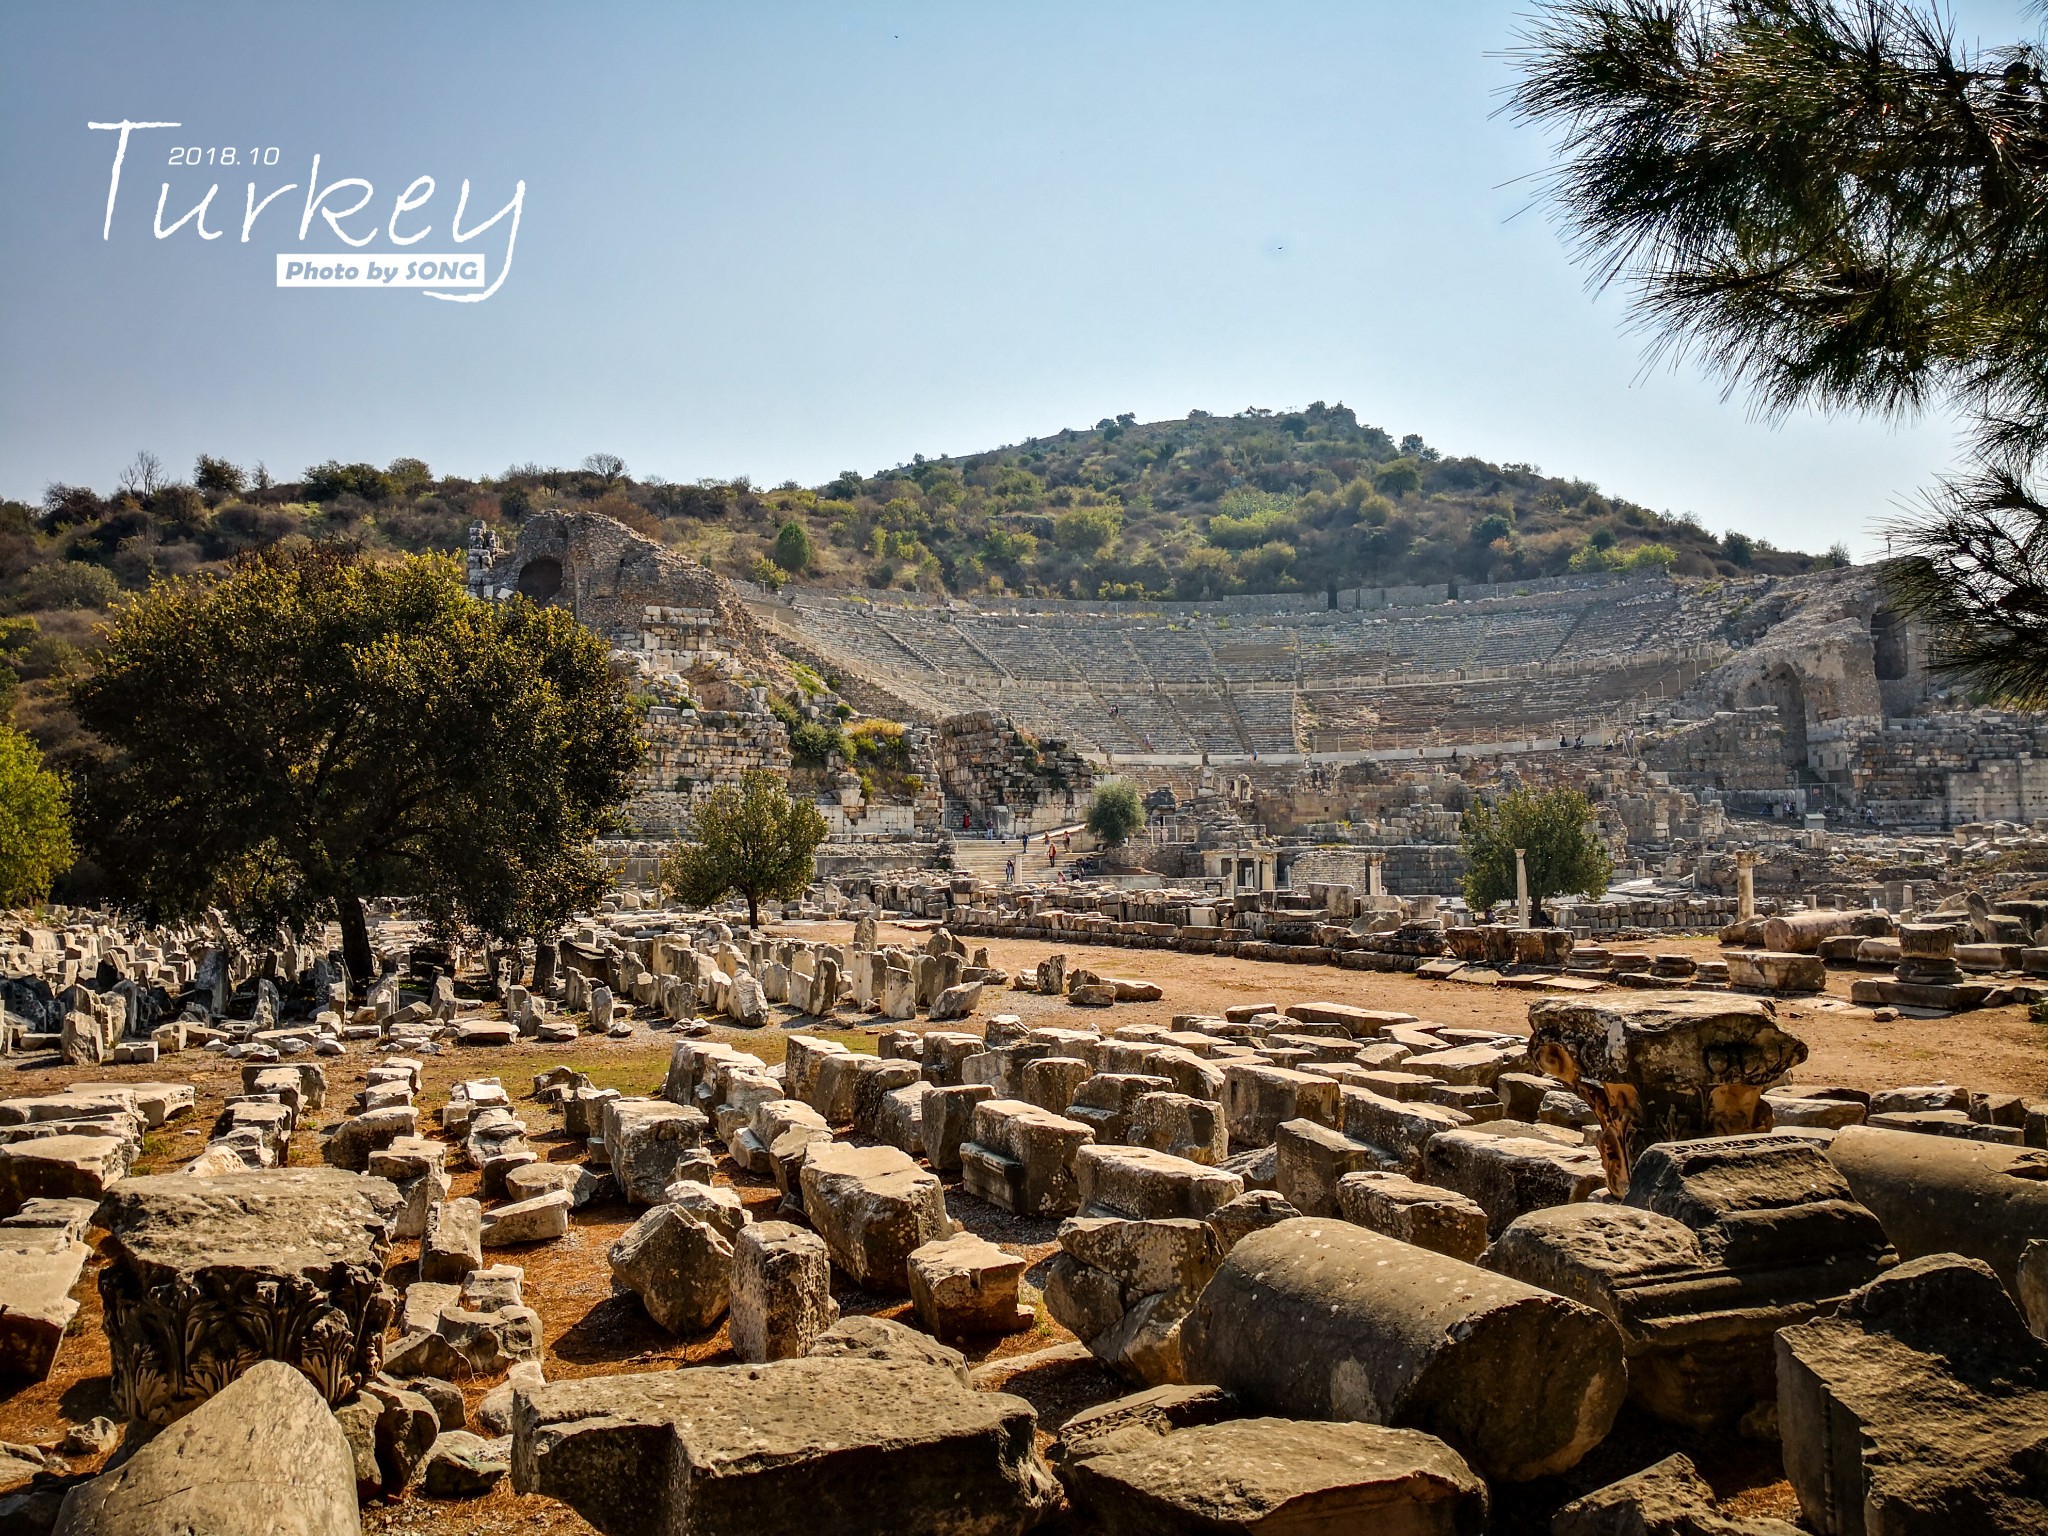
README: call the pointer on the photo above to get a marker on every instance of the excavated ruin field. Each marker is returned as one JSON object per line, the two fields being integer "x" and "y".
{"x": 591, "y": 1330}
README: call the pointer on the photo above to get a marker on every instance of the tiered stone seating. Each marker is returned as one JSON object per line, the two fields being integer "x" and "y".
{"x": 1238, "y": 677}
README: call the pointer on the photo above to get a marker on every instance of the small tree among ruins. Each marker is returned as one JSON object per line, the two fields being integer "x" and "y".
{"x": 35, "y": 822}
{"x": 754, "y": 839}
{"x": 1560, "y": 846}
{"x": 313, "y": 730}
{"x": 1116, "y": 814}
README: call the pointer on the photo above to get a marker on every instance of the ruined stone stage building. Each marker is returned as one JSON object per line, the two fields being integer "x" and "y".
{"x": 1337, "y": 734}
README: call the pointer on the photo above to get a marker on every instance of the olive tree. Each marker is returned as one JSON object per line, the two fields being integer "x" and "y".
{"x": 313, "y": 729}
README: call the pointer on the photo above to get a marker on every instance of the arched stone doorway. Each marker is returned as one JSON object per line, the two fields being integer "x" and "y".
{"x": 541, "y": 579}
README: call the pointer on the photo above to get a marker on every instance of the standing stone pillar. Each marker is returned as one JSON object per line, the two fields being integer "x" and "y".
{"x": 1745, "y": 887}
{"x": 1376, "y": 875}
{"x": 1521, "y": 888}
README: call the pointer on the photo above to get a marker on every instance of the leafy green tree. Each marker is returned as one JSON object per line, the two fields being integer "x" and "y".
{"x": 1561, "y": 848}
{"x": 1399, "y": 477}
{"x": 312, "y": 730}
{"x": 755, "y": 839}
{"x": 793, "y": 548}
{"x": 1087, "y": 530}
{"x": 35, "y": 822}
{"x": 64, "y": 584}
{"x": 1835, "y": 204}
{"x": 217, "y": 479}
{"x": 1115, "y": 814}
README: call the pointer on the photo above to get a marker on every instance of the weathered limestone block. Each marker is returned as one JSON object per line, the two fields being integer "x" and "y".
{"x": 1400, "y": 1128}
{"x": 461, "y": 1465}
{"x": 1181, "y": 1125}
{"x": 60, "y": 1167}
{"x": 965, "y": 1285}
{"x": 867, "y": 1337}
{"x": 357, "y": 1137}
{"x": 540, "y": 1220}
{"x": 39, "y": 1265}
{"x": 1125, "y": 1287}
{"x": 1050, "y": 1082}
{"x": 1668, "y": 1498}
{"x": 1106, "y": 1101}
{"x": 679, "y": 1265}
{"x": 1257, "y": 1098}
{"x": 1022, "y": 1157}
{"x": 1253, "y": 1211}
{"x": 874, "y": 1207}
{"x": 957, "y": 1002}
{"x": 944, "y": 1052}
{"x": 789, "y": 1448}
{"x": 946, "y": 1119}
{"x": 1310, "y": 1159}
{"x": 874, "y": 1080}
{"x": 651, "y": 1143}
{"x": 1722, "y": 1243}
{"x": 1763, "y": 970}
{"x": 1919, "y": 1406}
{"x": 1140, "y": 1184}
{"x": 1275, "y": 1475}
{"x": 1318, "y": 1319}
{"x": 900, "y": 1120}
{"x": 452, "y": 1244}
{"x": 1663, "y": 1066}
{"x": 781, "y": 1291}
{"x": 2033, "y": 1286}
{"x": 413, "y": 1164}
{"x": 207, "y": 1276}
{"x": 1480, "y": 1065}
{"x": 1441, "y": 1220}
{"x": 1936, "y": 1194}
{"x": 1510, "y": 1169}
{"x": 265, "y": 1453}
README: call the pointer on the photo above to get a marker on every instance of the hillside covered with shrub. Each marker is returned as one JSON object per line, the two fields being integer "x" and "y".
{"x": 1200, "y": 507}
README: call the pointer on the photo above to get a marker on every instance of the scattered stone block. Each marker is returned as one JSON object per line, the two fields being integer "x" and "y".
{"x": 1919, "y": 1406}
{"x": 464, "y": 1466}
{"x": 679, "y": 1265}
{"x": 451, "y": 1244}
{"x": 874, "y": 1207}
{"x": 1935, "y": 1194}
{"x": 965, "y": 1285}
{"x": 59, "y": 1168}
{"x": 1668, "y": 1498}
{"x": 212, "y": 1470}
{"x": 1441, "y": 1220}
{"x": 1022, "y": 1158}
{"x": 789, "y": 1448}
{"x": 204, "y": 1276}
{"x": 1664, "y": 1066}
{"x": 781, "y": 1291}
{"x": 1510, "y": 1170}
{"x": 1275, "y": 1475}
{"x": 539, "y": 1220}
{"x": 1317, "y": 1319}
{"x": 1722, "y": 1242}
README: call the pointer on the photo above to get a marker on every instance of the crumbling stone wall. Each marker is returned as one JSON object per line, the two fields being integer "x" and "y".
{"x": 627, "y": 588}
{"x": 984, "y": 761}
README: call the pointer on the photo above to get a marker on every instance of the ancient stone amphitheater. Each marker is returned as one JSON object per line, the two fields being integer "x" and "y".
{"x": 1809, "y": 683}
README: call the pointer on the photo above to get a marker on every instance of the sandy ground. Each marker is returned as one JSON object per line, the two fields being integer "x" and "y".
{"x": 591, "y": 1330}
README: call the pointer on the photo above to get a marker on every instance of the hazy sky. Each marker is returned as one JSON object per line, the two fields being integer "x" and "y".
{"x": 786, "y": 239}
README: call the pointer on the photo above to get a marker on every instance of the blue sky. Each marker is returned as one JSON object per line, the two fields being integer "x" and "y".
{"x": 786, "y": 239}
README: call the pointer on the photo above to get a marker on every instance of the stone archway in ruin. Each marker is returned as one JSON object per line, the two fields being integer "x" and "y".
{"x": 541, "y": 579}
{"x": 1783, "y": 688}
{"x": 1891, "y": 648}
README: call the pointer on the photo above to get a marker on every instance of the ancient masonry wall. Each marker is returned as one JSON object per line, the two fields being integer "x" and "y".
{"x": 1733, "y": 749}
{"x": 985, "y": 761}
{"x": 1937, "y": 770}
{"x": 690, "y": 753}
